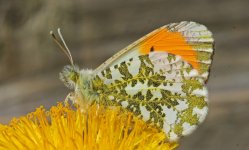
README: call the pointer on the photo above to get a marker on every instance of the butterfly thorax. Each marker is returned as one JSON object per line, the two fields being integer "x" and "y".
{"x": 84, "y": 88}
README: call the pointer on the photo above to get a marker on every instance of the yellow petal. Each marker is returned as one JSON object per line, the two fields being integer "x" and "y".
{"x": 66, "y": 127}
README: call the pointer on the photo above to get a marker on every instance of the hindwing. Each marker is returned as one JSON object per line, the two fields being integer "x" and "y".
{"x": 161, "y": 88}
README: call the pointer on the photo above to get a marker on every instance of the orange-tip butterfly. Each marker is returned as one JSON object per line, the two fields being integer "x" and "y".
{"x": 160, "y": 78}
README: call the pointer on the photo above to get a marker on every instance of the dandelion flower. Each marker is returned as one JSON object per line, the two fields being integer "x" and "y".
{"x": 66, "y": 127}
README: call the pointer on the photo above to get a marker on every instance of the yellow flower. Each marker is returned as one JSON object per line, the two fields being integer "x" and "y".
{"x": 66, "y": 127}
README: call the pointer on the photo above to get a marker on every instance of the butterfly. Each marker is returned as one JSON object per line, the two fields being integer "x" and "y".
{"x": 161, "y": 78}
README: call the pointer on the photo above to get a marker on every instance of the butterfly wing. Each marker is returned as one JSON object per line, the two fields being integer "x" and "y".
{"x": 161, "y": 88}
{"x": 190, "y": 40}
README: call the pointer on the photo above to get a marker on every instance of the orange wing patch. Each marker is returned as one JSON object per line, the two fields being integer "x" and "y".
{"x": 171, "y": 42}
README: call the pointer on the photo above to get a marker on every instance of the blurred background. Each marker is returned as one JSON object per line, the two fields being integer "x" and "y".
{"x": 95, "y": 30}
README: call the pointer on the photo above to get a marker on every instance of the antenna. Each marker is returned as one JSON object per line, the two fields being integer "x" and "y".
{"x": 63, "y": 46}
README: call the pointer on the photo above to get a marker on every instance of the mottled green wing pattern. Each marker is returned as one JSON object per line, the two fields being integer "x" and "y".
{"x": 160, "y": 88}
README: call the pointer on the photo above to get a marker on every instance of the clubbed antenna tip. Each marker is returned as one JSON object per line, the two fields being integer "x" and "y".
{"x": 62, "y": 44}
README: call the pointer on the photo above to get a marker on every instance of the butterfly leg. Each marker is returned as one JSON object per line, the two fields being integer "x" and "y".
{"x": 70, "y": 96}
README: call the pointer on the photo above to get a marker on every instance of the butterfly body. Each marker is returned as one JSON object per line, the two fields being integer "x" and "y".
{"x": 160, "y": 78}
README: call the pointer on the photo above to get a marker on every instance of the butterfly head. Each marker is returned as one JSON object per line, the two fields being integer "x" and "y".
{"x": 70, "y": 76}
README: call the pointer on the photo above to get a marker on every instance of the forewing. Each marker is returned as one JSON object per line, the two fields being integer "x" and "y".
{"x": 190, "y": 40}
{"x": 161, "y": 88}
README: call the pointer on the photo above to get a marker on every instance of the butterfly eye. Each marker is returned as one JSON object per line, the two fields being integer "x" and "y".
{"x": 70, "y": 76}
